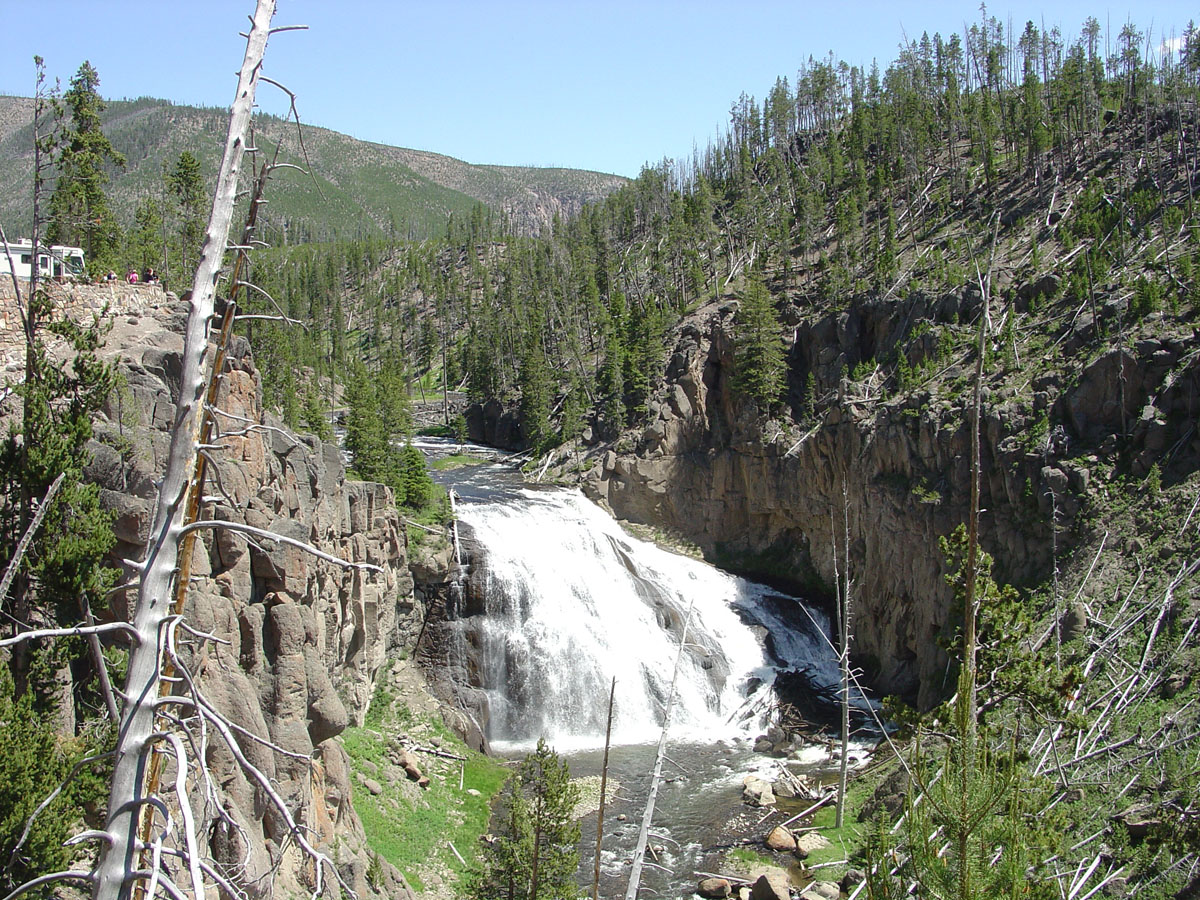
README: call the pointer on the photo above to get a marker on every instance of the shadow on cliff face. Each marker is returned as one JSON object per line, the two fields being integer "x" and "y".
{"x": 763, "y": 497}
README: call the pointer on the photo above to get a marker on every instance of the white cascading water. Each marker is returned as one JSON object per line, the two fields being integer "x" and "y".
{"x": 573, "y": 600}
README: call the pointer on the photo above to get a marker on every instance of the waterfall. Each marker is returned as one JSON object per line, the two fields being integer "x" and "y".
{"x": 567, "y": 600}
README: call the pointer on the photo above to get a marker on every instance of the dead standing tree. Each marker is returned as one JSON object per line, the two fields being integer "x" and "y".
{"x": 155, "y": 620}
{"x": 153, "y": 841}
{"x": 844, "y": 609}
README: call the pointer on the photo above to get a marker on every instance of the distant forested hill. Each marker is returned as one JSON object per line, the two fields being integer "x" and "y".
{"x": 357, "y": 188}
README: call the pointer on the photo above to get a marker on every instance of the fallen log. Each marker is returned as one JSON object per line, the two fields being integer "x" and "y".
{"x": 432, "y": 751}
{"x": 828, "y": 798}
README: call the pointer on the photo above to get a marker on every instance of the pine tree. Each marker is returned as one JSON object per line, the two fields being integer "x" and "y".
{"x": 394, "y": 407}
{"x": 79, "y": 212}
{"x": 34, "y": 759}
{"x": 187, "y": 186}
{"x": 759, "y": 361}
{"x": 289, "y": 402}
{"x": 368, "y": 438}
{"x": 1033, "y": 123}
{"x": 62, "y": 571}
{"x": 611, "y": 380}
{"x": 574, "y": 406}
{"x": 536, "y": 851}
{"x": 535, "y": 398}
{"x": 643, "y": 348}
{"x": 314, "y": 416}
{"x": 414, "y": 488}
{"x": 64, "y": 567}
{"x": 144, "y": 242}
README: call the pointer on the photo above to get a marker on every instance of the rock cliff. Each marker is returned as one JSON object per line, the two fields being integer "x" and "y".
{"x": 299, "y": 640}
{"x": 765, "y": 497}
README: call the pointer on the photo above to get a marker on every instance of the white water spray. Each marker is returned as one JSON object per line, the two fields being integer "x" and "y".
{"x": 573, "y": 601}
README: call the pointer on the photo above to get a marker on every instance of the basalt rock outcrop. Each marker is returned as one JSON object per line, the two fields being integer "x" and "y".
{"x": 300, "y": 640}
{"x": 766, "y": 497}
{"x": 448, "y": 648}
{"x": 493, "y": 424}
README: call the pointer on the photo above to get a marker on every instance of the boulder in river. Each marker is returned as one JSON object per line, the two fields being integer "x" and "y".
{"x": 757, "y": 792}
{"x": 781, "y": 840}
{"x": 808, "y": 842}
{"x": 771, "y": 886}
{"x": 714, "y": 888}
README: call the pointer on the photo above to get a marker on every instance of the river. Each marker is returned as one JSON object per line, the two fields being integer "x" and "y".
{"x": 573, "y": 601}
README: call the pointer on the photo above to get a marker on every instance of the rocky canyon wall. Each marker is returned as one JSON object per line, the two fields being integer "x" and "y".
{"x": 299, "y": 641}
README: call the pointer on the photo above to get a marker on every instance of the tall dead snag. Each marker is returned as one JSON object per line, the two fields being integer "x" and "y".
{"x": 154, "y": 616}
{"x": 968, "y": 706}
{"x": 639, "y": 851}
{"x": 153, "y": 843}
{"x": 612, "y": 694}
{"x": 844, "y": 653}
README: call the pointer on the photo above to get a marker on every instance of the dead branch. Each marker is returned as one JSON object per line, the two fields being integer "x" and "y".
{"x": 812, "y": 809}
{"x": 79, "y": 631}
{"x": 256, "y": 317}
{"x": 251, "y": 427}
{"x": 254, "y": 287}
{"x": 93, "y": 642}
{"x": 68, "y": 875}
{"x": 265, "y": 535}
{"x": 639, "y": 852}
{"x": 23, "y": 545}
{"x": 433, "y": 751}
{"x": 299, "y": 132}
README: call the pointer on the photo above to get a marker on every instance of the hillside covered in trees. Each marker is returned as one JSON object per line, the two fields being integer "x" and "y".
{"x": 356, "y": 189}
{"x": 851, "y": 185}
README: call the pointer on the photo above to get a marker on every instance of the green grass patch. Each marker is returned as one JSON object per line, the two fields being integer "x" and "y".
{"x": 457, "y": 461}
{"x": 843, "y": 842}
{"x": 846, "y": 841}
{"x": 430, "y": 381}
{"x": 433, "y": 516}
{"x": 745, "y": 858}
{"x": 410, "y": 827}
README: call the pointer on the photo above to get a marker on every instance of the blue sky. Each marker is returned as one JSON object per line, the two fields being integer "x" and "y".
{"x": 591, "y": 85}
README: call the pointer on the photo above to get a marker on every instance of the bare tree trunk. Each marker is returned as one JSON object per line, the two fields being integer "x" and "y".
{"x": 445, "y": 386}
{"x": 844, "y": 654}
{"x": 639, "y": 852}
{"x": 612, "y": 693}
{"x": 967, "y": 706}
{"x": 29, "y": 323}
{"x": 968, "y": 682}
{"x": 119, "y": 852}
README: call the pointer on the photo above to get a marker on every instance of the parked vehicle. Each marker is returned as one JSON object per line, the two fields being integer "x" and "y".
{"x": 58, "y": 262}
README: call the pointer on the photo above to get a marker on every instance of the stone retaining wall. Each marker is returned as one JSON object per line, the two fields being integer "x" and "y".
{"x": 80, "y": 301}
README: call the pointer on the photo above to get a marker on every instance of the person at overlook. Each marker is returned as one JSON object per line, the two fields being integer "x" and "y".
{"x": 132, "y": 277}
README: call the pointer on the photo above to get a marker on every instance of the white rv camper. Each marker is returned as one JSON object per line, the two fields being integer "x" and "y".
{"x": 56, "y": 263}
